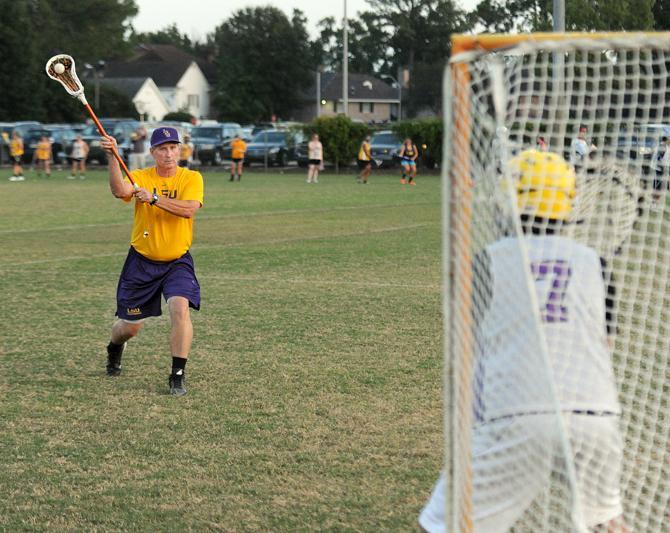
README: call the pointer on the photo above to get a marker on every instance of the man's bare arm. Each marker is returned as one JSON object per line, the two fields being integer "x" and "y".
{"x": 119, "y": 187}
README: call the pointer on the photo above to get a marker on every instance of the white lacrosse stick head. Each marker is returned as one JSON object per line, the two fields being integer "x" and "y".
{"x": 68, "y": 78}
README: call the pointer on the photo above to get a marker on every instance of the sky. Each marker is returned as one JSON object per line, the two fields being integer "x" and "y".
{"x": 197, "y": 18}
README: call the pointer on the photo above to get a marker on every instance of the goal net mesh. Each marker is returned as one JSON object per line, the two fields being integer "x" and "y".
{"x": 557, "y": 379}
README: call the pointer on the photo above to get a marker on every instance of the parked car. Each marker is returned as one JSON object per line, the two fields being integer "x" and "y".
{"x": 385, "y": 148}
{"x": 262, "y": 126}
{"x": 247, "y": 132}
{"x": 7, "y": 129}
{"x": 642, "y": 141}
{"x": 302, "y": 154}
{"x": 25, "y": 126}
{"x": 275, "y": 146}
{"x": 5, "y": 136}
{"x": 184, "y": 128}
{"x": 119, "y": 128}
{"x": 208, "y": 141}
{"x": 60, "y": 136}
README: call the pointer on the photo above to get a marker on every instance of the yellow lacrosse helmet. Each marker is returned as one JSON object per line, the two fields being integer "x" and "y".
{"x": 545, "y": 184}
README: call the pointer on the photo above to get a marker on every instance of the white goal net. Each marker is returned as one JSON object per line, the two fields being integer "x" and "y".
{"x": 557, "y": 283}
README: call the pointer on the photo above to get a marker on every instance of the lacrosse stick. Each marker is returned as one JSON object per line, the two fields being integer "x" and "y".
{"x": 67, "y": 76}
{"x": 606, "y": 207}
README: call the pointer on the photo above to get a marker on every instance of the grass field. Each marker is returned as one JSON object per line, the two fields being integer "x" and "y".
{"x": 314, "y": 379}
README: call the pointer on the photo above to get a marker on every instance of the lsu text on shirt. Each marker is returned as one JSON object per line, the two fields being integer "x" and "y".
{"x": 157, "y": 234}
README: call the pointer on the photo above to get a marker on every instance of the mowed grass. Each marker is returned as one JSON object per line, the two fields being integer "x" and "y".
{"x": 314, "y": 380}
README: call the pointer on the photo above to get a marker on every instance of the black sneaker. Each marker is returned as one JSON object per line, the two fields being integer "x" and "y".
{"x": 176, "y": 383}
{"x": 114, "y": 359}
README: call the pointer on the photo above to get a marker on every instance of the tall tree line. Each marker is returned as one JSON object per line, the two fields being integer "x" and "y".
{"x": 31, "y": 31}
{"x": 265, "y": 58}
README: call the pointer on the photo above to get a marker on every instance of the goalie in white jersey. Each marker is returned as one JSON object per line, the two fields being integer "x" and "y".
{"x": 527, "y": 376}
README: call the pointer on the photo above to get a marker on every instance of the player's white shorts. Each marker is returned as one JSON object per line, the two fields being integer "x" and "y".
{"x": 512, "y": 463}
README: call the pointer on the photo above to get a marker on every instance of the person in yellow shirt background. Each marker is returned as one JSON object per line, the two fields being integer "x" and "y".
{"x": 43, "y": 155}
{"x": 238, "y": 149}
{"x": 16, "y": 155}
{"x": 158, "y": 263}
{"x": 364, "y": 160}
{"x": 186, "y": 150}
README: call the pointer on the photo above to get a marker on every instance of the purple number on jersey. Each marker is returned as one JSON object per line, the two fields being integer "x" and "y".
{"x": 559, "y": 273}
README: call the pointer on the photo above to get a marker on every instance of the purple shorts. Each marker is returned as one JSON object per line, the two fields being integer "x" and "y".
{"x": 142, "y": 282}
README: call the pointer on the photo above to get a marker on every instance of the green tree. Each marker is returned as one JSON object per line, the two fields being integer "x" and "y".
{"x": 340, "y": 136}
{"x": 611, "y": 15}
{"x": 179, "y": 116}
{"x": 580, "y": 15}
{"x": 168, "y": 35}
{"x": 31, "y": 32}
{"x": 264, "y": 64}
{"x": 21, "y": 95}
{"x": 418, "y": 37}
{"x": 366, "y": 48}
{"x": 661, "y": 11}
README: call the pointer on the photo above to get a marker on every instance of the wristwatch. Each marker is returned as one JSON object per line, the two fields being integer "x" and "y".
{"x": 154, "y": 199}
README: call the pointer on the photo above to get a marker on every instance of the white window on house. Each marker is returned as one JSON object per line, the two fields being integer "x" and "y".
{"x": 338, "y": 107}
{"x": 194, "y": 101}
{"x": 366, "y": 107}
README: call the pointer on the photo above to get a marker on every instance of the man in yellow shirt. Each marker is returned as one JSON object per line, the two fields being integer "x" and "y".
{"x": 238, "y": 149}
{"x": 167, "y": 198}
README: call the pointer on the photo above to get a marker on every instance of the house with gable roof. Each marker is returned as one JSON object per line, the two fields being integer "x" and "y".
{"x": 161, "y": 78}
{"x": 370, "y": 98}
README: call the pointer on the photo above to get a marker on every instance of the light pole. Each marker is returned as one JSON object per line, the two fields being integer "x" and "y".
{"x": 388, "y": 76}
{"x": 97, "y": 74}
{"x": 559, "y": 15}
{"x": 345, "y": 62}
{"x": 318, "y": 91}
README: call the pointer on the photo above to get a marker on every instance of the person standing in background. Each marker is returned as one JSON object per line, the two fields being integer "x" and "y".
{"x": 43, "y": 155}
{"x": 16, "y": 155}
{"x": 364, "y": 160}
{"x": 136, "y": 157}
{"x": 186, "y": 152}
{"x": 78, "y": 155}
{"x": 315, "y": 156}
{"x": 238, "y": 149}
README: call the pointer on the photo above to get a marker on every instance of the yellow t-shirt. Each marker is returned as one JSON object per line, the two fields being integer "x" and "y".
{"x": 43, "y": 150}
{"x": 157, "y": 234}
{"x": 16, "y": 147}
{"x": 185, "y": 151}
{"x": 364, "y": 152}
{"x": 238, "y": 147}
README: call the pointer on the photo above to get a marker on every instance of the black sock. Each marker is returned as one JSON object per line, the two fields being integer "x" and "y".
{"x": 178, "y": 363}
{"x": 115, "y": 349}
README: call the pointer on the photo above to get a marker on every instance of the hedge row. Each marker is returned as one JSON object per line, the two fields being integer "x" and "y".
{"x": 341, "y": 137}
